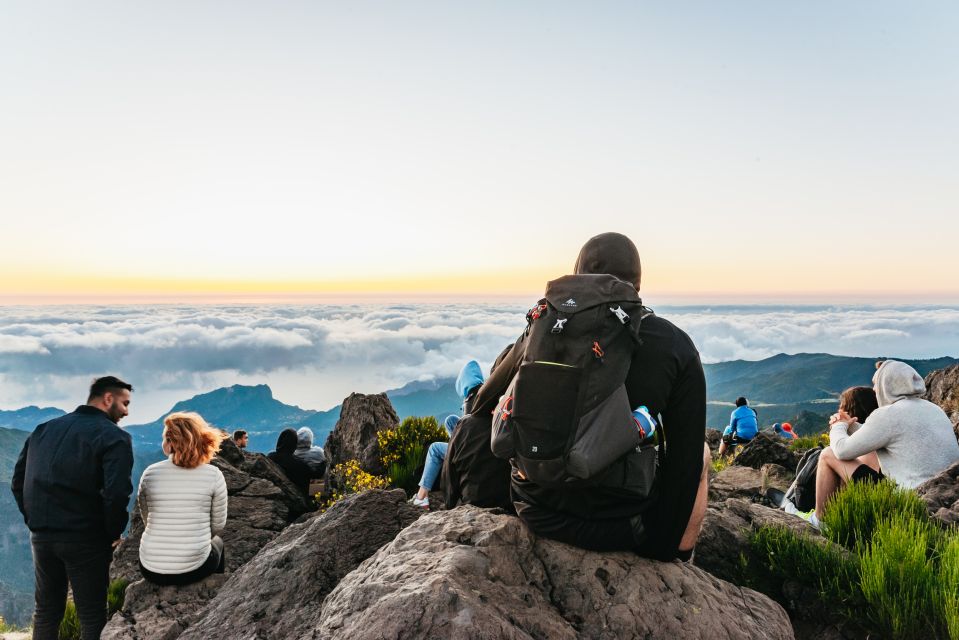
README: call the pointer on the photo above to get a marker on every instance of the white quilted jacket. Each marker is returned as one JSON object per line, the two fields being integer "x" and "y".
{"x": 183, "y": 509}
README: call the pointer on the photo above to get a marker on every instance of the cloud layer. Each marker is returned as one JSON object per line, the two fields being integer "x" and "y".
{"x": 315, "y": 355}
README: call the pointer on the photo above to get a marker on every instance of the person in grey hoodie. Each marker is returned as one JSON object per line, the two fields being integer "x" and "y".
{"x": 314, "y": 457}
{"x": 912, "y": 437}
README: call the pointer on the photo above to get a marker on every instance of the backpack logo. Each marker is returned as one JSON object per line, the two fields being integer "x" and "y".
{"x": 570, "y": 303}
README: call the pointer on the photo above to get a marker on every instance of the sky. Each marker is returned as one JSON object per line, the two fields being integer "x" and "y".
{"x": 199, "y": 151}
{"x": 316, "y": 355}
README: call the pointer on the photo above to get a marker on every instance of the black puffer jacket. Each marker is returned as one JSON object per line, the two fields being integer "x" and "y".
{"x": 72, "y": 479}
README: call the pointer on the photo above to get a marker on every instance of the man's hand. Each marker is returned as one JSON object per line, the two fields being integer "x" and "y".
{"x": 116, "y": 543}
{"x": 842, "y": 416}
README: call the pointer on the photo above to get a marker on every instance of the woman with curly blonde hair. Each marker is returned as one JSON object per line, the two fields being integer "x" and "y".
{"x": 183, "y": 502}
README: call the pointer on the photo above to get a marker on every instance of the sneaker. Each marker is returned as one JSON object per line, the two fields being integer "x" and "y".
{"x": 420, "y": 502}
{"x": 810, "y": 517}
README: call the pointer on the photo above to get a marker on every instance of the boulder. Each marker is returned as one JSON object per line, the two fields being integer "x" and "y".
{"x": 765, "y": 448}
{"x": 941, "y": 494}
{"x": 735, "y": 482}
{"x": 151, "y": 612}
{"x": 942, "y": 388}
{"x": 474, "y": 573}
{"x": 354, "y": 436}
{"x": 262, "y": 502}
{"x": 713, "y": 438}
{"x": 776, "y": 476}
{"x": 278, "y": 593}
{"x": 726, "y": 530}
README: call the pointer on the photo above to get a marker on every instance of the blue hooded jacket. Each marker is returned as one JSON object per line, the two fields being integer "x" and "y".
{"x": 743, "y": 423}
{"x": 470, "y": 377}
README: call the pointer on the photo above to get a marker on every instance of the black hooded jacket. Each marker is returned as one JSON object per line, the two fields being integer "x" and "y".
{"x": 295, "y": 469}
{"x": 72, "y": 479}
{"x": 667, "y": 376}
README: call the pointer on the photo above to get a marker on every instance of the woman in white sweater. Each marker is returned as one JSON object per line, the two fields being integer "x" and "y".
{"x": 183, "y": 502}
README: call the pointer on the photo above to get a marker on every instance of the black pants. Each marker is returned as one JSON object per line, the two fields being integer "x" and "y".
{"x": 86, "y": 567}
{"x": 215, "y": 563}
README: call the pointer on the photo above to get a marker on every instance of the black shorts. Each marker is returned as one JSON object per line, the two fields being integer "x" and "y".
{"x": 866, "y": 473}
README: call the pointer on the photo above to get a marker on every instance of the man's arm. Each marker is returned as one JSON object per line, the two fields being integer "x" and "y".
{"x": 684, "y": 425}
{"x": 19, "y": 473}
{"x": 117, "y": 484}
{"x": 864, "y": 440}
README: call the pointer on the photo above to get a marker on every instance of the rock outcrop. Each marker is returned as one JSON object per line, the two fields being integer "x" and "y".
{"x": 262, "y": 503}
{"x": 765, "y": 448}
{"x": 726, "y": 530}
{"x": 942, "y": 388}
{"x": 354, "y": 436}
{"x": 473, "y": 573}
{"x": 279, "y": 593}
{"x": 735, "y": 482}
{"x": 941, "y": 494}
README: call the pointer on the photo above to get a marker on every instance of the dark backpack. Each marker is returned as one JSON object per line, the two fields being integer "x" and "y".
{"x": 565, "y": 416}
{"x": 802, "y": 492}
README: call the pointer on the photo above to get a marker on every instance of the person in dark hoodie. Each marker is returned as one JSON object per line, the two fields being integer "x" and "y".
{"x": 467, "y": 384}
{"x": 666, "y": 376}
{"x": 285, "y": 456}
{"x": 471, "y": 473}
{"x": 72, "y": 484}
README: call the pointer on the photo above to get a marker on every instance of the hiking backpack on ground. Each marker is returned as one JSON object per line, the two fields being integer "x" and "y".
{"x": 565, "y": 416}
{"x": 802, "y": 492}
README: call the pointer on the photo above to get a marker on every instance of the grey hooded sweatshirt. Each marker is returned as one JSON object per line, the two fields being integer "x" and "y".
{"x": 314, "y": 457}
{"x": 912, "y": 437}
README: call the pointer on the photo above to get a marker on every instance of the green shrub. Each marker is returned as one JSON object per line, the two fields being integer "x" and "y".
{"x": 70, "y": 625}
{"x": 949, "y": 584}
{"x": 353, "y": 479}
{"x": 803, "y": 443}
{"x": 898, "y": 578}
{"x": 852, "y": 514}
{"x": 6, "y": 626}
{"x": 403, "y": 449}
{"x": 824, "y": 568}
{"x": 720, "y": 463}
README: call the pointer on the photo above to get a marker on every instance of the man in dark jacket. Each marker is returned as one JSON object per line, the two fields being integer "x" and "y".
{"x": 666, "y": 376}
{"x": 72, "y": 483}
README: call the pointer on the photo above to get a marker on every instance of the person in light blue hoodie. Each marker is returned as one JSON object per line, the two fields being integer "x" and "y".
{"x": 468, "y": 382}
{"x": 743, "y": 426}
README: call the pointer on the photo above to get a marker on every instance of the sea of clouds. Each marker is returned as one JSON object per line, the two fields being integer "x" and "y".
{"x": 314, "y": 355}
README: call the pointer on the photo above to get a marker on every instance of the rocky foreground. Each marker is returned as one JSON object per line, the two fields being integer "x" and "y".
{"x": 372, "y": 566}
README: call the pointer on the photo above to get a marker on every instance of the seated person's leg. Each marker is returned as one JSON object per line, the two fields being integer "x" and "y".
{"x": 431, "y": 470}
{"x": 831, "y": 474}
{"x": 695, "y": 526}
{"x": 594, "y": 535}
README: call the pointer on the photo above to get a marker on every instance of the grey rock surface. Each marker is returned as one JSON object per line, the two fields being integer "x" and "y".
{"x": 942, "y": 388}
{"x": 735, "y": 482}
{"x": 941, "y": 494}
{"x": 766, "y": 448}
{"x": 278, "y": 594}
{"x": 473, "y": 573}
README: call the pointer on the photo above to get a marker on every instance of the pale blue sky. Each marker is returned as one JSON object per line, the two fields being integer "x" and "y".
{"x": 754, "y": 148}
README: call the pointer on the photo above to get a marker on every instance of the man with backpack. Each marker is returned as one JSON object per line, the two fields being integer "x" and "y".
{"x": 572, "y": 405}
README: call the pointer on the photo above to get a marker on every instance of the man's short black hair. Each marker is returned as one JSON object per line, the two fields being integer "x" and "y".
{"x": 239, "y": 433}
{"x": 107, "y": 384}
{"x": 741, "y": 402}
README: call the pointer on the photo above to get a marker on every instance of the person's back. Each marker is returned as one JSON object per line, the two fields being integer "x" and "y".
{"x": 617, "y": 511}
{"x": 295, "y": 469}
{"x": 72, "y": 484}
{"x": 181, "y": 508}
{"x": 743, "y": 422}
{"x": 64, "y": 496}
{"x": 912, "y": 437}
{"x": 183, "y": 501}
{"x": 314, "y": 457}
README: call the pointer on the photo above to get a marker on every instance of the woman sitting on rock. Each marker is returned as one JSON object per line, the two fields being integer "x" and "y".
{"x": 285, "y": 456}
{"x": 907, "y": 439}
{"x": 183, "y": 502}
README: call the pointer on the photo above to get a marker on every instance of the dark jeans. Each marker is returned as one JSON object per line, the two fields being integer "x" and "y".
{"x": 215, "y": 563}
{"x": 86, "y": 567}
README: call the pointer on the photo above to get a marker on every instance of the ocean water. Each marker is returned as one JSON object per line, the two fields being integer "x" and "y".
{"x": 313, "y": 355}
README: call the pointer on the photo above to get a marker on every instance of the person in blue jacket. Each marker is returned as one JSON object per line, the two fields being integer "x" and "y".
{"x": 743, "y": 426}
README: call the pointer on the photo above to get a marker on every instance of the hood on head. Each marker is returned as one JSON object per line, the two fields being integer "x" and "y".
{"x": 896, "y": 380}
{"x": 304, "y": 437}
{"x": 611, "y": 253}
{"x": 470, "y": 376}
{"x": 286, "y": 440}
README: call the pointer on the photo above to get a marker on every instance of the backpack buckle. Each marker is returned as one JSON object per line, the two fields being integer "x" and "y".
{"x": 621, "y": 315}
{"x": 560, "y": 324}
